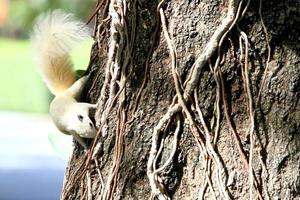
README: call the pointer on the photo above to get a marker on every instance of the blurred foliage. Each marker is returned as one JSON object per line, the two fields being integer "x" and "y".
{"x": 23, "y": 12}
{"x": 21, "y": 88}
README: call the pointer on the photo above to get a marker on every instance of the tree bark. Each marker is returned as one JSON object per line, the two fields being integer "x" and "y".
{"x": 196, "y": 100}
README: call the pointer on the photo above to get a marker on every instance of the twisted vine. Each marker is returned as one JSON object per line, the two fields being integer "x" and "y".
{"x": 185, "y": 104}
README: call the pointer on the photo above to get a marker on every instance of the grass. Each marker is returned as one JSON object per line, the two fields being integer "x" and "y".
{"x": 21, "y": 88}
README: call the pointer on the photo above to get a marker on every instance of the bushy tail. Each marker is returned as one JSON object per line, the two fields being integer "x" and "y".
{"x": 54, "y": 35}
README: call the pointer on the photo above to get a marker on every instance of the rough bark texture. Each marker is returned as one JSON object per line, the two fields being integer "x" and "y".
{"x": 276, "y": 140}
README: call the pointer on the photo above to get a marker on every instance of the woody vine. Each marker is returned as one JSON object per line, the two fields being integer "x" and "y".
{"x": 116, "y": 25}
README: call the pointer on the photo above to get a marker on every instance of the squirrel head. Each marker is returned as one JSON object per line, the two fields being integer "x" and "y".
{"x": 72, "y": 117}
{"x": 84, "y": 124}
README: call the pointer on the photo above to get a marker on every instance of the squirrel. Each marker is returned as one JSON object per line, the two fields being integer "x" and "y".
{"x": 54, "y": 35}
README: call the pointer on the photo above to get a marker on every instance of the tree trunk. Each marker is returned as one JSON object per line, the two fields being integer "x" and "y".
{"x": 196, "y": 100}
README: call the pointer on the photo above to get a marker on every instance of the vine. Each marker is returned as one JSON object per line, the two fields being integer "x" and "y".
{"x": 185, "y": 105}
{"x": 204, "y": 139}
{"x": 113, "y": 90}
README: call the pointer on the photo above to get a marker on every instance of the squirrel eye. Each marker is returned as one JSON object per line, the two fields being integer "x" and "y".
{"x": 80, "y": 117}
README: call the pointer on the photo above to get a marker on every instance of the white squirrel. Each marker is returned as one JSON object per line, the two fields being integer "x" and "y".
{"x": 54, "y": 35}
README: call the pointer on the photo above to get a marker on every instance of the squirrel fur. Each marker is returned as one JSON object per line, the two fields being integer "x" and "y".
{"x": 54, "y": 35}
